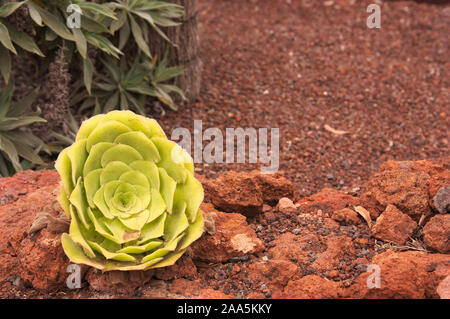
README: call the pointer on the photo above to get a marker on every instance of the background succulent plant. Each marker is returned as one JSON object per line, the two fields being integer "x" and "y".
{"x": 133, "y": 203}
{"x": 130, "y": 88}
{"x": 19, "y": 148}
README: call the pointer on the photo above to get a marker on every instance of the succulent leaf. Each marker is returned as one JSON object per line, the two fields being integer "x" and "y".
{"x": 132, "y": 207}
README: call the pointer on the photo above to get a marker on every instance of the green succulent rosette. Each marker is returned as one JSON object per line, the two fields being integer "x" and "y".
{"x": 130, "y": 193}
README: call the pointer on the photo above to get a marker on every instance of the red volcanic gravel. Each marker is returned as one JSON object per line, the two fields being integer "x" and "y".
{"x": 301, "y": 65}
{"x": 346, "y": 99}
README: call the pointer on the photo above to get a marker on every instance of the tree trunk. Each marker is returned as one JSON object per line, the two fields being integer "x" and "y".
{"x": 186, "y": 50}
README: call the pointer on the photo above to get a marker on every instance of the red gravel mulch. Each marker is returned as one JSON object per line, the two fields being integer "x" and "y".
{"x": 301, "y": 65}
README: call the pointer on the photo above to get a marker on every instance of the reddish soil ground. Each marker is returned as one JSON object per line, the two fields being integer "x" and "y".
{"x": 295, "y": 65}
{"x": 299, "y": 65}
{"x": 318, "y": 248}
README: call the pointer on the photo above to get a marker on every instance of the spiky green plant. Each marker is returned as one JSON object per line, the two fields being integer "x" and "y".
{"x": 15, "y": 142}
{"x": 136, "y": 16}
{"x": 49, "y": 27}
{"x": 130, "y": 87}
{"x": 130, "y": 193}
{"x": 117, "y": 28}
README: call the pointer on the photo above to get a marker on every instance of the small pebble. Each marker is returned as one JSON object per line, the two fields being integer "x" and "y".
{"x": 364, "y": 252}
{"x": 16, "y": 281}
{"x": 242, "y": 258}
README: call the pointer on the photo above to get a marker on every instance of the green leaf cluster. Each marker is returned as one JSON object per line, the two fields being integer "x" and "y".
{"x": 19, "y": 148}
{"x": 130, "y": 193}
{"x": 119, "y": 29}
{"x": 130, "y": 87}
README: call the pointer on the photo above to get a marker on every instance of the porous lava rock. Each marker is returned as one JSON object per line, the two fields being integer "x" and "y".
{"x": 436, "y": 233}
{"x": 394, "y": 226}
{"x": 409, "y": 274}
{"x": 233, "y": 237}
{"x": 246, "y": 192}
{"x": 327, "y": 200}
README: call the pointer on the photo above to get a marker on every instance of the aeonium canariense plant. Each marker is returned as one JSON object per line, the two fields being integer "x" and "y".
{"x": 130, "y": 193}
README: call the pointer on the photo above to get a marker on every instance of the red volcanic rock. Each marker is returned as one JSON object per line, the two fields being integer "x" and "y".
{"x": 337, "y": 249}
{"x": 345, "y": 216}
{"x": 441, "y": 201}
{"x": 436, "y": 233}
{"x": 194, "y": 290}
{"x": 439, "y": 180}
{"x": 437, "y": 169}
{"x": 430, "y": 167}
{"x": 235, "y": 192}
{"x": 118, "y": 282}
{"x": 394, "y": 226}
{"x": 233, "y": 237}
{"x": 44, "y": 264}
{"x": 275, "y": 274}
{"x": 327, "y": 200}
{"x": 158, "y": 289}
{"x": 285, "y": 205}
{"x": 27, "y": 255}
{"x": 292, "y": 247}
{"x": 407, "y": 274}
{"x": 22, "y": 183}
{"x": 443, "y": 289}
{"x": 273, "y": 186}
{"x": 179, "y": 289}
{"x": 326, "y": 238}
{"x": 311, "y": 287}
{"x": 184, "y": 267}
{"x": 245, "y": 192}
{"x": 403, "y": 187}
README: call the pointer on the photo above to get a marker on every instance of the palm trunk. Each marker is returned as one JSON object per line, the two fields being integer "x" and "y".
{"x": 186, "y": 50}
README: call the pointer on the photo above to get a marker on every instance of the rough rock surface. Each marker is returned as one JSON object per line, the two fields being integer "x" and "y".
{"x": 273, "y": 186}
{"x": 318, "y": 248}
{"x": 44, "y": 246}
{"x": 292, "y": 247}
{"x": 22, "y": 254}
{"x": 437, "y": 169}
{"x": 232, "y": 238}
{"x": 12, "y": 188}
{"x": 394, "y": 226}
{"x": 436, "y": 233}
{"x": 327, "y": 200}
{"x": 337, "y": 249}
{"x": 118, "y": 282}
{"x": 274, "y": 273}
{"x": 441, "y": 201}
{"x": 194, "y": 289}
{"x": 346, "y": 216}
{"x": 285, "y": 205}
{"x": 183, "y": 268}
{"x": 405, "y": 188}
{"x": 245, "y": 192}
{"x": 311, "y": 287}
{"x": 408, "y": 185}
{"x": 407, "y": 274}
{"x": 443, "y": 289}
